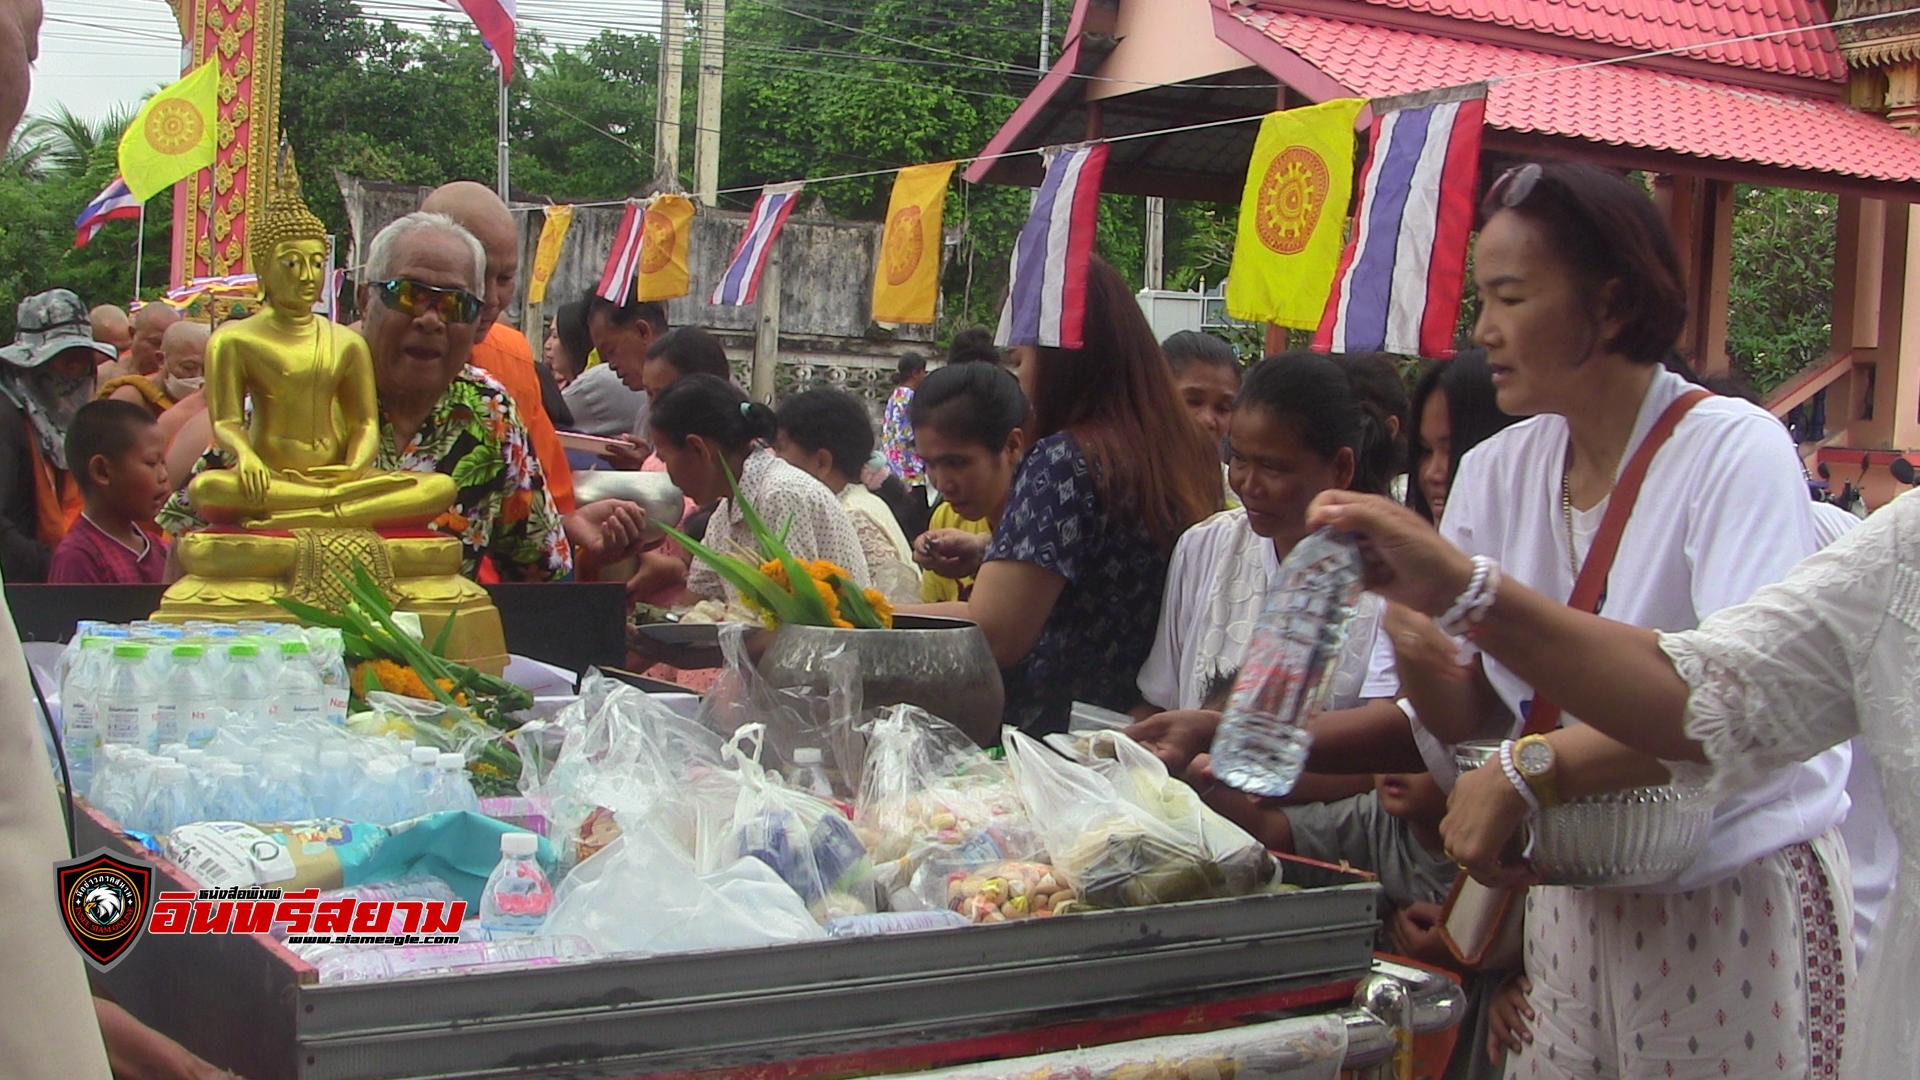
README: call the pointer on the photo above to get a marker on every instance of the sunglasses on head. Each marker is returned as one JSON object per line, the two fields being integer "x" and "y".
{"x": 413, "y": 299}
{"x": 1515, "y": 185}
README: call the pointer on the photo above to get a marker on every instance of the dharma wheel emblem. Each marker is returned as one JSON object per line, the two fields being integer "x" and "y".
{"x": 175, "y": 127}
{"x": 903, "y": 245}
{"x": 1292, "y": 194}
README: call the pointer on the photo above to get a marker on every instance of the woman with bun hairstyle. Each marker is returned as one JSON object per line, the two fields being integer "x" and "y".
{"x": 703, "y": 427}
{"x": 1069, "y": 592}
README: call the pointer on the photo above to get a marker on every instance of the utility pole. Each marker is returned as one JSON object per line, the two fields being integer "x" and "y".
{"x": 1155, "y": 276}
{"x": 706, "y": 143}
{"x": 666, "y": 126}
{"x": 1046, "y": 34}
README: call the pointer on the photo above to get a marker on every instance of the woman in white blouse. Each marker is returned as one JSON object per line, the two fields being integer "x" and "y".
{"x": 827, "y": 434}
{"x": 1822, "y": 657}
{"x": 703, "y": 429}
{"x": 1715, "y": 972}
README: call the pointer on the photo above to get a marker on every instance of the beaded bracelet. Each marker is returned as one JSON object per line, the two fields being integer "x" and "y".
{"x": 1513, "y": 777}
{"x": 1475, "y": 600}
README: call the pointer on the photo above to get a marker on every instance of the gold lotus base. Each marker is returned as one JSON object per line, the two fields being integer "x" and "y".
{"x": 232, "y": 576}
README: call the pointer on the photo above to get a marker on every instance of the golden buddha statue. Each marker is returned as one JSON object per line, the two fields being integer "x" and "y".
{"x": 306, "y": 458}
{"x": 302, "y": 500}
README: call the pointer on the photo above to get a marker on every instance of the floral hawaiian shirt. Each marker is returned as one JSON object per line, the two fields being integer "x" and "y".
{"x": 503, "y": 509}
{"x": 896, "y": 438}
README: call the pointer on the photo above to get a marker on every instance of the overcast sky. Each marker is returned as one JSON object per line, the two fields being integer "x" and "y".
{"x": 96, "y": 55}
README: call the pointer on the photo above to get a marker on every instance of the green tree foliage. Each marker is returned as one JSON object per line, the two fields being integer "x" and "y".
{"x": 1780, "y": 303}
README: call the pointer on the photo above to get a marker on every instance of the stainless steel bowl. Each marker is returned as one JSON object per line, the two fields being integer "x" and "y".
{"x": 653, "y": 491}
{"x": 942, "y": 665}
{"x": 1621, "y": 839}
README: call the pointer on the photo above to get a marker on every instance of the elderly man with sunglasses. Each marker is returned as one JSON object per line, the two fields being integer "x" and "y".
{"x": 437, "y": 415}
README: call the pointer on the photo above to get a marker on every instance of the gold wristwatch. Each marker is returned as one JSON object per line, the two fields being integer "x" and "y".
{"x": 1533, "y": 756}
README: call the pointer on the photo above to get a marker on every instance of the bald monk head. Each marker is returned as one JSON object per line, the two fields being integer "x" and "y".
{"x": 183, "y": 357}
{"x": 110, "y": 324}
{"x": 476, "y": 207}
{"x": 149, "y": 330}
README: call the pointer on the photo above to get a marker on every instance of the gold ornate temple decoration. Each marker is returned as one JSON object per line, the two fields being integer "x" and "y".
{"x": 210, "y": 209}
{"x": 292, "y": 399}
{"x": 1883, "y": 58}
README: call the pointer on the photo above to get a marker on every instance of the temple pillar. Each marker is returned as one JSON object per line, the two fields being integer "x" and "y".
{"x": 210, "y": 208}
{"x": 1700, "y": 213}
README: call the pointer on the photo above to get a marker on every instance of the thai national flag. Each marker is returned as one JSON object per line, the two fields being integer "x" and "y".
{"x": 616, "y": 281}
{"x": 1047, "y": 293}
{"x": 495, "y": 20}
{"x": 113, "y": 204}
{"x": 741, "y": 283}
{"x": 1399, "y": 283}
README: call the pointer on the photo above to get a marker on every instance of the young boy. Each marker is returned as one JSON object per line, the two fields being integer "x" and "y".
{"x": 116, "y": 455}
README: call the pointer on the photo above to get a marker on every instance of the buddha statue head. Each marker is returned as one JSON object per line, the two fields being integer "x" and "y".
{"x": 289, "y": 244}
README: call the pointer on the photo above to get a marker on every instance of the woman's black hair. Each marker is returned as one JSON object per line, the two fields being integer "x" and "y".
{"x": 571, "y": 323}
{"x": 1190, "y": 347}
{"x": 973, "y": 345}
{"x": 692, "y": 351}
{"x": 830, "y": 419}
{"x": 1310, "y": 392}
{"x": 1606, "y": 230}
{"x": 1376, "y": 380}
{"x": 1473, "y": 413}
{"x": 911, "y": 364}
{"x": 977, "y": 402}
{"x": 715, "y": 410}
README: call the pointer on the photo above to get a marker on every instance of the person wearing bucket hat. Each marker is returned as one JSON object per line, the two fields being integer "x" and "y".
{"x": 47, "y": 374}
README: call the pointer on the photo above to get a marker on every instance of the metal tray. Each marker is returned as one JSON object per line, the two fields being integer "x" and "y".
{"x": 247, "y": 1004}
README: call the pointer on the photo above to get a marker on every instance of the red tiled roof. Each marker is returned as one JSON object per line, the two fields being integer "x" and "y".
{"x": 1618, "y": 103}
{"x": 1647, "y": 25}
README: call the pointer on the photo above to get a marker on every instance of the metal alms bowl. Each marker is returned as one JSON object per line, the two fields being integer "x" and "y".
{"x": 942, "y": 665}
{"x": 654, "y": 491}
{"x": 1636, "y": 836}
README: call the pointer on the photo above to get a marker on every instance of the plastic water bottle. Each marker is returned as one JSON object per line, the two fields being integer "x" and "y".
{"x": 243, "y": 685}
{"x": 451, "y": 790}
{"x": 171, "y": 802}
{"x": 379, "y": 795}
{"x": 128, "y": 702}
{"x": 186, "y": 698}
{"x": 302, "y": 699}
{"x": 419, "y": 775}
{"x": 80, "y": 688}
{"x": 229, "y": 797}
{"x": 810, "y": 772}
{"x": 514, "y": 904}
{"x": 336, "y": 784}
{"x": 330, "y": 661}
{"x": 1287, "y": 676}
{"x": 284, "y": 795}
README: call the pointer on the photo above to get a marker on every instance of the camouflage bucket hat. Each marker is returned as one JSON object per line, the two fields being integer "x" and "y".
{"x": 50, "y": 323}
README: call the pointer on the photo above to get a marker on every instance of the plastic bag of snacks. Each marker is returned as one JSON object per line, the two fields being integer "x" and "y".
{"x": 1122, "y": 838}
{"x": 804, "y": 838}
{"x": 1010, "y": 891}
{"x": 624, "y": 753}
{"x": 933, "y": 804}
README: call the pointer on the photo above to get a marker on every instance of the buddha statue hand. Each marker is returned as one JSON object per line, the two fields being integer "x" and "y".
{"x": 327, "y": 475}
{"x": 255, "y": 479}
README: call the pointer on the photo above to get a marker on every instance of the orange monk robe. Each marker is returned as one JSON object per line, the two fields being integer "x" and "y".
{"x": 505, "y": 354}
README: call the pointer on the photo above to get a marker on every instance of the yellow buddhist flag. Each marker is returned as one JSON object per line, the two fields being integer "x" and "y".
{"x": 171, "y": 137}
{"x": 1293, "y": 215}
{"x": 906, "y": 283}
{"x": 546, "y": 255}
{"x": 665, "y": 233}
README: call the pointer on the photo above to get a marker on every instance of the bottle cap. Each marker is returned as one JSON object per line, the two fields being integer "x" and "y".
{"x": 806, "y": 755}
{"x": 335, "y": 759}
{"x": 519, "y": 843}
{"x": 189, "y": 652}
{"x": 293, "y": 647}
{"x": 129, "y": 650}
{"x": 425, "y": 755}
{"x": 243, "y": 648}
{"x": 449, "y": 762}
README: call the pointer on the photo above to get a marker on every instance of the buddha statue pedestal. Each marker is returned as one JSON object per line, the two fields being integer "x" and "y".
{"x": 234, "y": 574}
